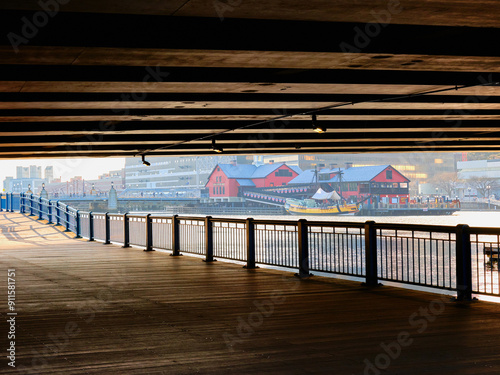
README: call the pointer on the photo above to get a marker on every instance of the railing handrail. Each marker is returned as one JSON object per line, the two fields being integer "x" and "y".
{"x": 417, "y": 227}
{"x": 484, "y": 230}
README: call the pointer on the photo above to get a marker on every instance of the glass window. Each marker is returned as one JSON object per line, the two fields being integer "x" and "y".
{"x": 283, "y": 173}
{"x": 388, "y": 174}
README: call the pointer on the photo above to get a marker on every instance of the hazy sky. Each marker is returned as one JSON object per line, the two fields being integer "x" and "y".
{"x": 66, "y": 168}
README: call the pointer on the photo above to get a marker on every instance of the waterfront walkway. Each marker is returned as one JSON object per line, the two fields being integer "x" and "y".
{"x": 88, "y": 308}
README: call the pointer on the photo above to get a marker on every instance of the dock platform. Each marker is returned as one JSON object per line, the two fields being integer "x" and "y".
{"x": 87, "y": 308}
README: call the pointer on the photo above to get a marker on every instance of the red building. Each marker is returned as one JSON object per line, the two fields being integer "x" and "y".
{"x": 382, "y": 182}
{"x": 226, "y": 180}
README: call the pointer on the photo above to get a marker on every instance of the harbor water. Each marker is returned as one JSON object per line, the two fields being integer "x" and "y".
{"x": 471, "y": 218}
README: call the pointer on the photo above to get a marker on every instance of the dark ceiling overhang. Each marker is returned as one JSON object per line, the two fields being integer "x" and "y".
{"x": 94, "y": 82}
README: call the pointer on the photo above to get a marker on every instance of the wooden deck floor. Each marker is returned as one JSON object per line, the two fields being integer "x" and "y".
{"x": 88, "y": 308}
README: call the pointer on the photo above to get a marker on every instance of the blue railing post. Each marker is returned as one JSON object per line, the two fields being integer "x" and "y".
{"x": 40, "y": 209}
{"x": 463, "y": 263}
{"x": 107, "y": 236}
{"x": 58, "y": 214}
{"x": 31, "y": 205}
{"x": 78, "y": 227}
{"x": 149, "y": 233}
{"x": 371, "y": 269}
{"x": 7, "y": 202}
{"x": 21, "y": 203}
{"x": 1, "y": 202}
{"x": 11, "y": 202}
{"x": 91, "y": 226}
{"x": 49, "y": 212}
{"x": 66, "y": 212}
{"x": 209, "y": 240}
{"x": 250, "y": 234}
{"x": 175, "y": 236}
{"x": 126, "y": 231}
{"x": 303, "y": 249}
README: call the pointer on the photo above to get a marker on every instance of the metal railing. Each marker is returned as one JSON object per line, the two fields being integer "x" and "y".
{"x": 457, "y": 258}
{"x": 9, "y": 202}
{"x": 52, "y": 211}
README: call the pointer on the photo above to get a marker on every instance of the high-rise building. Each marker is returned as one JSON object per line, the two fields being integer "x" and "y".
{"x": 181, "y": 173}
{"x": 49, "y": 173}
{"x": 22, "y": 172}
{"x": 35, "y": 171}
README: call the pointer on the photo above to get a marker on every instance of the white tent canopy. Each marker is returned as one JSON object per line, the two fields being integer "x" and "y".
{"x": 321, "y": 194}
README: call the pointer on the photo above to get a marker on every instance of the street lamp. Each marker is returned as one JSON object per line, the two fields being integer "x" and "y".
{"x": 469, "y": 193}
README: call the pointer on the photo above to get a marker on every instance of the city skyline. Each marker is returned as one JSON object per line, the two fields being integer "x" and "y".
{"x": 88, "y": 168}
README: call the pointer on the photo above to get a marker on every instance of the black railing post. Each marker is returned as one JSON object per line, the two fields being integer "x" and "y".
{"x": 126, "y": 233}
{"x": 175, "y": 236}
{"x": 40, "y": 208}
{"x": 49, "y": 212}
{"x": 371, "y": 269}
{"x": 91, "y": 226}
{"x": 250, "y": 232}
{"x": 303, "y": 239}
{"x": 1, "y": 200}
{"x": 78, "y": 228}
{"x": 22, "y": 203}
{"x": 463, "y": 263}
{"x": 66, "y": 211}
{"x": 149, "y": 233}
{"x": 11, "y": 202}
{"x": 209, "y": 240}
{"x": 107, "y": 236}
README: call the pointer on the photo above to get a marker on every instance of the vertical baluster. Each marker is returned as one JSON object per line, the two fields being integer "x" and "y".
{"x": 91, "y": 226}
{"x": 175, "y": 236}
{"x": 250, "y": 240}
{"x": 126, "y": 231}
{"x": 209, "y": 240}
{"x": 303, "y": 249}
{"x": 149, "y": 233}
{"x": 40, "y": 209}
{"x": 371, "y": 254}
{"x": 107, "y": 240}
{"x": 66, "y": 211}
{"x": 58, "y": 214}
{"x": 78, "y": 228}
{"x": 49, "y": 212}
{"x": 463, "y": 263}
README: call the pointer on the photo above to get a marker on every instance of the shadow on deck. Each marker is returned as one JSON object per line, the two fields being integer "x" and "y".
{"x": 88, "y": 308}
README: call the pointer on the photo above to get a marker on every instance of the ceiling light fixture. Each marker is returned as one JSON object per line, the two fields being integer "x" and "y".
{"x": 145, "y": 162}
{"x": 215, "y": 147}
{"x": 316, "y": 128}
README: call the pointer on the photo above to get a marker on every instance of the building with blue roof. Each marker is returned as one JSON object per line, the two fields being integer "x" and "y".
{"x": 379, "y": 183}
{"x": 226, "y": 181}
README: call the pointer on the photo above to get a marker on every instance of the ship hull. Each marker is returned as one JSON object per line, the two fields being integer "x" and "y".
{"x": 316, "y": 211}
